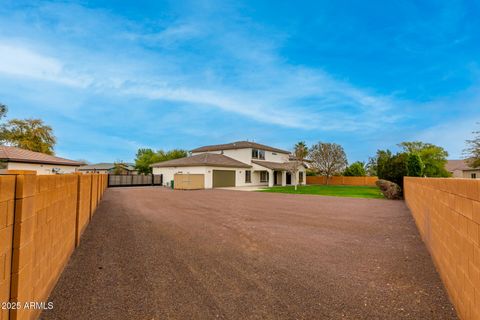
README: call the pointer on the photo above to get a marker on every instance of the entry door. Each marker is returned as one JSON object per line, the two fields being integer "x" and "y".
{"x": 223, "y": 178}
{"x": 275, "y": 180}
{"x": 289, "y": 178}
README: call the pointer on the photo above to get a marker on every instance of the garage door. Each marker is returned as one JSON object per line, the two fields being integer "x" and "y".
{"x": 223, "y": 178}
{"x": 189, "y": 181}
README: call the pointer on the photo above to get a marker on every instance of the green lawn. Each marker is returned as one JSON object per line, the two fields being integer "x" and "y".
{"x": 337, "y": 191}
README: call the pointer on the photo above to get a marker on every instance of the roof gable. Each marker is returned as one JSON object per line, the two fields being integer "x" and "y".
{"x": 239, "y": 145}
{"x": 14, "y": 154}
{"x": 204, "y": 159}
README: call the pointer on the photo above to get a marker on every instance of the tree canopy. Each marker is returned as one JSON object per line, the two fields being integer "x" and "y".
{"x": 146, "y": 157}
{"x": 433, "y": 157}
{"x": 29, "y": 134}
{"x": 301, "y": 150}
{"x": 356, "y": 169}
{"x": 415, "y": 159}
{"x": 414, "y": 165}
{"x": 392, "y": 167}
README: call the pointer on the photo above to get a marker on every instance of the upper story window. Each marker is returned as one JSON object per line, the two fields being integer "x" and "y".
{"x": 258, "y": 154}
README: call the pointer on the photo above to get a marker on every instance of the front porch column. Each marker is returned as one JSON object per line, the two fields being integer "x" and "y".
{"x": 284, "y": 178}
{"x": 270, "y": 178}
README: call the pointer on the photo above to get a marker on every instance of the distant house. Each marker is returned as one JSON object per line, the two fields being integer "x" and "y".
{"x": 461, "y": 169}
{"x": 13, "y": 158}
{"x": 125, "y": 168}
{"x": 236, "y": 164}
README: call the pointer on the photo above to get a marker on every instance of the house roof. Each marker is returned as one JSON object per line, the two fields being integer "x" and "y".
{"x": 274, "y": 165}
{"x": 14, "y": 154}
{"x": 453, "y": 165}
{"x": 238, "y": 145}
{"x": 204, "y": 159}
{"x": 105, "y": 166}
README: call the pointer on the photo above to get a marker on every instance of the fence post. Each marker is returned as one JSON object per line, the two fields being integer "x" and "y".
{"x": 77, "y": 224}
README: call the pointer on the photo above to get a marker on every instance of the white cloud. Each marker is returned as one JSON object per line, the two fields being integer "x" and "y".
{"x": 258, "y": 84}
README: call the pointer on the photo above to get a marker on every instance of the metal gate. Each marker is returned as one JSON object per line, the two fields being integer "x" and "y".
{"x": 122, "y": 180}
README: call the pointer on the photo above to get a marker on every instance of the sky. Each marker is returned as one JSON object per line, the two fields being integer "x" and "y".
{"x": 114, "y": 76}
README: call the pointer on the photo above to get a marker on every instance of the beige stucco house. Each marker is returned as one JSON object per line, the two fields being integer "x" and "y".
{"x": 461, "y": 169}
{"x": 12, "y": 158}
{"x": 236, "y": 164}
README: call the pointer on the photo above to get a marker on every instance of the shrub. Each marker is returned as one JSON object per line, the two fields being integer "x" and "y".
{"x": 390, "y": 190}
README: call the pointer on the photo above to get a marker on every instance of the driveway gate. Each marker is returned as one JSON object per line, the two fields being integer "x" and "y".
{"x": 122, "y": 180}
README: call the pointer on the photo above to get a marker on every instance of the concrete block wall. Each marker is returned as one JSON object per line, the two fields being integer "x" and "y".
{"x": 447, "y": 214}
{"x": 47, "y": 213}
{"x": 343, "y": 181}
{"x": 7, "y": 199}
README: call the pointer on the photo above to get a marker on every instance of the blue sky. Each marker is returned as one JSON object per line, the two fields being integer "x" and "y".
{"x": 113, "y": 76}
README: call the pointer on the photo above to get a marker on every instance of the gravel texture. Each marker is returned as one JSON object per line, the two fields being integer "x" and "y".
{"x": 154, "y": 253}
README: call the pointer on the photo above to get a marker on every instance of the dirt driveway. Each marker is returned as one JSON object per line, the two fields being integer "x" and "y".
{"x": 153, "y": 253}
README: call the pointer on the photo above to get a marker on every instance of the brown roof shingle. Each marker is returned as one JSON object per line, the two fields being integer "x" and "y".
{"x": 274, "y": 165}
{"x": 453, "y": 165}
{"x": 204, "y": 159}
{"x": 238, "y": 145}
{"x": 14, "y": 154}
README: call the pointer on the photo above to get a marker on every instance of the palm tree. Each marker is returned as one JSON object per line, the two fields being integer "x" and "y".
{"x": 301, "y": 150}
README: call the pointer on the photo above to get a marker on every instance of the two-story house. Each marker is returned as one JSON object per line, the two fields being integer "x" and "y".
{"x": 235, "y": 164}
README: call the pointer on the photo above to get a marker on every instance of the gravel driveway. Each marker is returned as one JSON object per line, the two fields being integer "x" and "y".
{"x": 154, "y": 253}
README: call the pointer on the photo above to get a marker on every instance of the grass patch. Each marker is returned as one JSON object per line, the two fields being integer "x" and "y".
{"x": 337, "y": 191}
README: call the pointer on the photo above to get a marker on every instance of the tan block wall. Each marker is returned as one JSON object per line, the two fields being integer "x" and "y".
{"x": 7, "y": 194}
{"x": 447, "y": 214}
{"x": 50, "y": 214}
{"x": 343, "y": 181}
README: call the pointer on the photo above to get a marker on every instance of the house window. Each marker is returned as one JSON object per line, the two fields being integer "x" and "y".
{"x": 258, "y": 154}
{"x": 300, "y": 177}
{"x": 248, "y": 176}
{"x": 263, "y": 176}
{"x": 473, "y": 175}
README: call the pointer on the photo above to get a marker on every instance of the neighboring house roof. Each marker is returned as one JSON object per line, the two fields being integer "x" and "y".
{"x": 238, "y": 145}
{"x": 105, "y": 166}
{"x": 204, "y": 159}
{"x": 274, "y": 165}
{"x": 454, "y": 165}
{"x": 14, "y": 154}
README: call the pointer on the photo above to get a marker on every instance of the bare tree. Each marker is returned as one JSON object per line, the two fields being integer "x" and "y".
{"x": 296, "y": 161}
{"x": 472, "y": 152}
{"x": 328, "y": 158}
